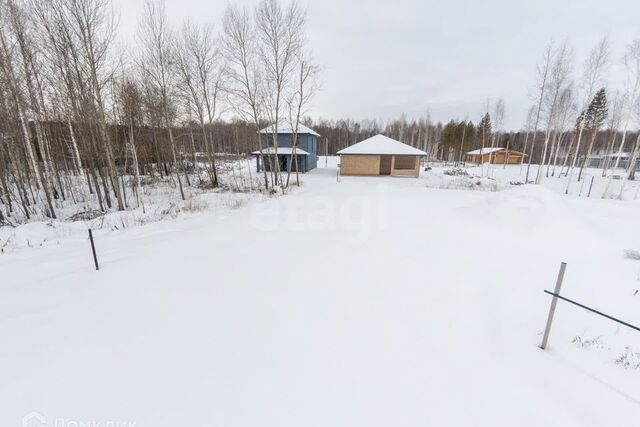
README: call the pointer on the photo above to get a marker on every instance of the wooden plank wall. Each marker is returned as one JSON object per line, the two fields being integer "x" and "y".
{"x": 374, "y": 165}
{"x": 359, "y": 164}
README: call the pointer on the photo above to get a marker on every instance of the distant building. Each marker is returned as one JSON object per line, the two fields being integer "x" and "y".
{"x": 496, "y": 155}
{"x": 610, "y": 160}
{"x": 305, "y": 155}
{"x": 380, "y": 155}
{"x": 596, "y": 161}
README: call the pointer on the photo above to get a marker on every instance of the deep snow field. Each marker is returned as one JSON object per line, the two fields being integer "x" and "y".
{"x": 363, "y": 302}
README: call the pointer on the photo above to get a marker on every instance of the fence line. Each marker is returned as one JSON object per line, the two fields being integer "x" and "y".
{"x": 593, "y": 310}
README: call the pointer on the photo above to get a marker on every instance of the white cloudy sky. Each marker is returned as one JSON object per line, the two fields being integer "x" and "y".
{"x": 381, "y": 58}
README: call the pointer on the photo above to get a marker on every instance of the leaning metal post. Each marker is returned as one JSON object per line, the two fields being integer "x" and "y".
{"x": 552, "y": 309}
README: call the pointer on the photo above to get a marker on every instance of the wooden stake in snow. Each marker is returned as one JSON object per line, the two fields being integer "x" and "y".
{"x": 93, "y": 249}
{"x": 326, "y": 152}
{"x": 552, "y": 309}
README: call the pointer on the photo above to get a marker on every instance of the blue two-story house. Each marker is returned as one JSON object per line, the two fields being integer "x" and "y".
{"x": 305, "y": 155}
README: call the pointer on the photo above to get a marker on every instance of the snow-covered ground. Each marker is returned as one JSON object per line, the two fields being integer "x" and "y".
{"x": 363, "y": 302}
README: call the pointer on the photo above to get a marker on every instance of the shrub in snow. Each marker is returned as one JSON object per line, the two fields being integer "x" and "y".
{"x": 467, "y": 183}
{"x": 149, "y": 180}
{"x": 205, "y": 185}
{"x": 170, "y": 211}
{"x": 193, "y": 204}
{"x": 455, "y": 172}
{"x": 240, "y": 187}
{"x": 5, "y": 243}
{"x": 588, "y": 343}
{"x": 86, "y": 215}
{"x": 236, "y": 203}
{"x": 632, "y": 254}
{"x": 629, "y": 359}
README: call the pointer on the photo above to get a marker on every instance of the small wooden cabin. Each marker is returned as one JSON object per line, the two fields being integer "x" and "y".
{"x": 496, "y": 155}
{"x": 379, "y": 156}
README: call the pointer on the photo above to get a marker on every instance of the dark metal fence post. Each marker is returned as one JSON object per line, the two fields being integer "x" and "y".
{"x": 590, "y": 186}
{"x": 93, "y": 249}
{"x": 552, "y": 309}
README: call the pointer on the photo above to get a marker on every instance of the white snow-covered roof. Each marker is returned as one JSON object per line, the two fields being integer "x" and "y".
{"x": 486, "y": 150}
{"x": 285, "y": 128}
{"x": 381, "y": 144}
{"x": 281, "y": 150}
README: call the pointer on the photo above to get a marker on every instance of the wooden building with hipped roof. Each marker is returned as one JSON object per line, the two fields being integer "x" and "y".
{"x": 379, "y": 156}
{"x": 496, "y": 155}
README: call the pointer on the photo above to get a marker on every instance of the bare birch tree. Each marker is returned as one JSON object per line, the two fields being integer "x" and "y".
{"x": 557, "y": 82}
{"x": 631, "y": 62}
{"x": 592, "y": 78}
{"x": 157, "y": 66}
{"x": 240, "y": 49}
{"x": 498, "y": 120}
{"x": 542, "y": 75}
{"x": 561, "y": 127}
{"x": 94, "y": 27}
{"x": 298, "y": 102}
{"x": 201, "y": 75}
{"x": 281, "y": 38}
{"x": 10, "y": 49}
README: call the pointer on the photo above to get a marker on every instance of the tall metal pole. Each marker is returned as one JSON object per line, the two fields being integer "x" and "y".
{"x": 552, "y": 309}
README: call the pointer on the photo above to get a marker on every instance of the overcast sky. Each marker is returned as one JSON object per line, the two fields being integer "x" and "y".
{"x": 381, "y": 58}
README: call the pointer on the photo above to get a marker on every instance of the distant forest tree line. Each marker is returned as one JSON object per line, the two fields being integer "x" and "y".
{"x": 84, "y": 121}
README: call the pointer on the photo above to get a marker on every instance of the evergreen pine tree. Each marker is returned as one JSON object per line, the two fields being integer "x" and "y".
{"x": 597, "y": 111}
{"x": 485, "y": 123}
{"x": 594, "y": 117}
{"x": 449, "y": 135}
{"x": 484, "y": 129}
